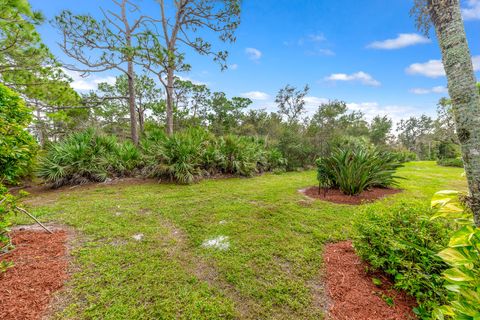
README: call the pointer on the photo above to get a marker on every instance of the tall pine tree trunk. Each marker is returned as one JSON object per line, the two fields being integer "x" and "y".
{"x": 170, "y": 83}
{"x": 447, "y": 19}
{"x": 131, "y": 103}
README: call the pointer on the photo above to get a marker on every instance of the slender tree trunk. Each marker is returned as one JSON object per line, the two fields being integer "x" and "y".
{"x": 131, "y": 103}
{"x": 170, "y": 80}
{"x": 130, "y": 76}
{"x": 141, "y": 118}
{"x": 447, "y": 19}
{"x": 38, "y": 125}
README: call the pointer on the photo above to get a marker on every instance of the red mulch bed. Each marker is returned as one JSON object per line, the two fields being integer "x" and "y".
{"x": 336, "y": 196}
{"x": 352, "y": 293}
{"x": 40, "y": 269}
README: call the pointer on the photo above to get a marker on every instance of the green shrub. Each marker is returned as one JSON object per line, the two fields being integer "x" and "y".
{"x": 448, "y": 150}
{"x": 463, "y": 257}
{"x": 406, "y": 156}
{"x": 452, "y": 162}
{"x": 7, "y": 203}
{"x": 463, "y": 276}
{"x": 240, "y": 155}
{"x": 402, "y": 241}
{"x": 296, "y": 149}
{"x": 355, "y": 169}
{"x": 86, "y": 157}
{"x": 189, "y": 155}
{"x": 179, "y": 157}
{"x": 17, "y": 146}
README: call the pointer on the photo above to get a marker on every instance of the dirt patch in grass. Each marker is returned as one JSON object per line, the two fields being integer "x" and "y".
{"x": 352, "y": 292}
{"x": 336, "y": 196}
{"x": 40, "y": 269}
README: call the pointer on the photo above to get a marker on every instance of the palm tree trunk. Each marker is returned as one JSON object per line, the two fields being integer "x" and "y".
{"x": 447, "y": 19}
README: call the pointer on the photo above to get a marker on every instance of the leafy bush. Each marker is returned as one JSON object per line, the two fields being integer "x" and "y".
{"x": 179, "y": 158}
{"x": 455, "y": 162}
{"x": 296, "y": 149}
{"x": 463, "y": 276}
{"x": 7, "y": 202}
{"x": 403, "y": 241}
{"x": 463, "y": 257}
{"x": 86, "y": 157}
{"x": 17, "y": 146}
{"x": 195, "y": 153}
{"x": 448, "y": 150}
{"x": 355, "y": 169}
{"x": 406, "y": 156}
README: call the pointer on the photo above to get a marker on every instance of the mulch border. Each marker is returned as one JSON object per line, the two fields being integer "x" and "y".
{"x": 336, "y": 196}
{"x": 351, "y": 293}
{"x": 44, "y": 308}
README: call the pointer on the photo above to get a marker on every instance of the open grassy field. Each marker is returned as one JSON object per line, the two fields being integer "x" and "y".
{"x": 144, "y": 254}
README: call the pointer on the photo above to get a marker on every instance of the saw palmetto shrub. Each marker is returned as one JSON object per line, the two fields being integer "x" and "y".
{"x": 87, "y": 156}
{"x": 355, "y": 169}
{"x": 177, "y": 158}
{"x": 193, "y": 154}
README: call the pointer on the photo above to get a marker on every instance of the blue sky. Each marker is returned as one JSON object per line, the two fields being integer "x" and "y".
{"x": 366, "y": 53}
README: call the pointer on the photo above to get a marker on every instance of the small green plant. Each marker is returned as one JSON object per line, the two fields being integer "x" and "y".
{"x": 450, "y": 162}
{"x": 7, "y": 206}
{"x": 463, "y": 257}
{"x": 356, "y": 169}
{"x": 402, "y": 241}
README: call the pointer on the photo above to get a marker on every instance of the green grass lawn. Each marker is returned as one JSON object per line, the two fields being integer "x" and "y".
{"x": 271, "y": 270}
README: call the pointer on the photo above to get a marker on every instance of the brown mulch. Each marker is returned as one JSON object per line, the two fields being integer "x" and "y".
{"x": 336, "y": 196}
{"x": 40, "y": 269}
{"x": 352, "y": 293}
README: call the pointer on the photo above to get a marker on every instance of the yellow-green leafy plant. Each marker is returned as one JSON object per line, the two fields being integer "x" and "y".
{"x": 7, "y": 205}
{"x": 463, "y": 257}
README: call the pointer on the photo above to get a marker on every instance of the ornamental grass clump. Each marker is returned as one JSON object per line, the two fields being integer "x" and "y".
{"x": 355, "y": 169}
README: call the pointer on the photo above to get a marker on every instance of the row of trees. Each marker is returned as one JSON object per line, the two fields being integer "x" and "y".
{"x": 107, "y": 108}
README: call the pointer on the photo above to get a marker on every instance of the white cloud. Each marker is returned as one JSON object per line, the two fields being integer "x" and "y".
{"x": 312, "y": 103}
{"x": 319, "y": 37}
{"x": 253, "y": 54}
{"x": 437, "y": 89}
{"x": 434, "y": 68}
{"x": 472, "y": 10}
{"x": 394, "y": 112}
{"x": 87, "y": 83}
{"x": 401, "y": 41}
{"x": 431, "y": 69}
{"x": 360, "y": 76}
{"x": 320, "y": 52}
{"x": 256, "y": 95}
{"x": 195, "y": 82}
{"x": 233, "y": 66}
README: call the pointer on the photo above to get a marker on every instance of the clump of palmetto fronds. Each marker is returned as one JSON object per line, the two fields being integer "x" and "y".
{"x": 87, "y": 157}
{"x": 354, "y": 169}
{"x": 190, "y": 155}
{"x": 185, "y": 157}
